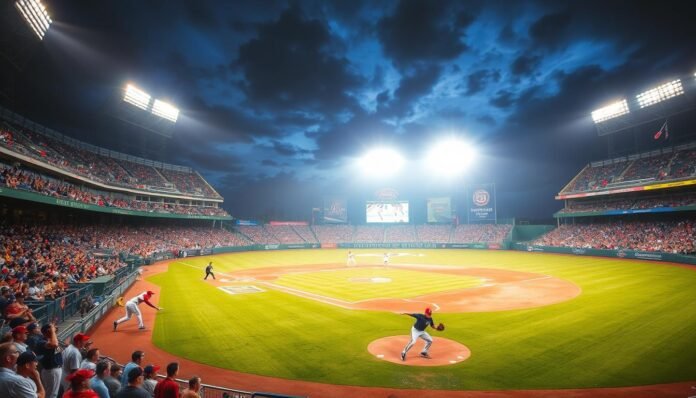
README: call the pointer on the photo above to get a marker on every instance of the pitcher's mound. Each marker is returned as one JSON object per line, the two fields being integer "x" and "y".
{"x": 442, "y": 352}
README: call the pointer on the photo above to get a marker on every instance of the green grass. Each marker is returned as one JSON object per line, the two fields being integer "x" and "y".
{"x": 342, "y": 283}
{"x": 633, "y": 324}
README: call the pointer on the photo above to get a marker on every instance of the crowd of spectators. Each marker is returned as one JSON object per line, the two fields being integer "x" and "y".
{"x": 99, "y": 168}
{"x": 434, "y": 233}
{"x": 332, "y": 234}
{"x": 668, "y": 166}
{"x": 34, "y": 364}
{"x": 17, "y": 178}
{"x": 368, "y": 234}
{"x": 258, "y": 234}
{"x": 285, "y": 234}
{"x": 305, "y": 233}
{"x": 688, "y": 199}
{"x": 400, "y": 233}
{"x": 669, "y": 236}
{"x": 481, "y": 233}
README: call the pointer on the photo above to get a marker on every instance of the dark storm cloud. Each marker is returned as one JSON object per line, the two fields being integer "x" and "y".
{"x": 477, "y": 81}
{"x": 417, "y": 32}
{"x": 412, "y": 87}
{"x": 549, "y": 30}
{"x": 503, "y": 99}
{"x": 288, "y": 149}
{"x": 525, "y": 65}
{"x": 290, "y": 66}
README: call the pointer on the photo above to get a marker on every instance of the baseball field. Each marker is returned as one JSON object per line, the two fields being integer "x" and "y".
{"x": 530, "y": 321}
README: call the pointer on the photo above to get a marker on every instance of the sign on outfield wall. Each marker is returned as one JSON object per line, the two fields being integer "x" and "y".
{"x": 481, "y": 203}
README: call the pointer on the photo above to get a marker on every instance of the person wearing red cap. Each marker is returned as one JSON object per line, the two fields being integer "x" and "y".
{"x": 79, "y": 385}
{"x": 418, "y": 331}
{"x": 132, "y": 309}
{"x": 19, "y": 337}
{"x": 72, "y": 357}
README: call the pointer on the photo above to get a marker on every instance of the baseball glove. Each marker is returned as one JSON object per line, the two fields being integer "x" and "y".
{"x": 440, "y": 327}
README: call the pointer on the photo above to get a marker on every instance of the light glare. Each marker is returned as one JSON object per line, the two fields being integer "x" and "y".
{"x": 660, "y": 93}
{"x": 610, "y": 111}
{"x": 165, "y": 110}
{"x": 450, "y": 157}
{"x": 137, "y": 97}
{"x": 381, "y": 162}
{"x": 35, "y": 14}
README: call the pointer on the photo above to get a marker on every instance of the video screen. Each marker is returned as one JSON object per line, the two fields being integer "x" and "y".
{"x": 387, "y": 212}
{"x": 439, "y": 210}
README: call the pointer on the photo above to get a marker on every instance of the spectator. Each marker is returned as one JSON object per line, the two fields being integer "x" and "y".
{"x": 5, "y": 293}
{"x": 13, "y": 385}
{"x": 150, "y": 382}
{"x": 168, "y": 387}
{"x": 97, "y": 382}
{"x": 27, "y": 364}
{"x": 51, "y": 360}
{"x": 19, "y": 337}
{"x": 136, "y": 362}
{"x": 72, "y": 358}
{"x": 17, "y": 312}
{"x": 134, "y": 387}
{"x": 113, "y": 381}
{"x": 194, "y": 386}
{"x": 34, "y": 336}
{"x": 91, "y": 359}
{"x": 79, "y": 385}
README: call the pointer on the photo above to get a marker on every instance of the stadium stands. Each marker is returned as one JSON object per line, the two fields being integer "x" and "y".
{"x": 332, "y": 234}
{"x": 434, "y": 233}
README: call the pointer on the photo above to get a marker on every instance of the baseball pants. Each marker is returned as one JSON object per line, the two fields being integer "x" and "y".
{"x": 132, "y": 309}
{"x": 415, "y": 335}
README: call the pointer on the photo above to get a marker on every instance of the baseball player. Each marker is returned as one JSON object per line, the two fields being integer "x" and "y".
{"x": 386, "y": 259}
{"x": 132, "y": 308}
{"x": 209, "y": 271}
{"x": 418, "y": 331}
{"x": 351, "y": 259}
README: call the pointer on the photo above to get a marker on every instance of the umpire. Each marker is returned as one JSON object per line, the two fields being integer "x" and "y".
{"x": 209, "y": 271}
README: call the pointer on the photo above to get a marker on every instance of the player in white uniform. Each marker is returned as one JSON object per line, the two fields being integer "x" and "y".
{"x": 351, "y": 259}
{"x": 386, "y": 258}
{"x": 132, "y": 309}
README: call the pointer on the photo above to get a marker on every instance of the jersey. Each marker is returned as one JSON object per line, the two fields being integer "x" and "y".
{"x": 143, "y": 297}
{"x": 422, "y": 322}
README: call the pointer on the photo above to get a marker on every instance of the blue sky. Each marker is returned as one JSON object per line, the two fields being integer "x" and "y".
{"x": 278, "y": 98}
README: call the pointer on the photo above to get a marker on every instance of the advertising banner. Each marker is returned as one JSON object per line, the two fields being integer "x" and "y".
{"x": 439, "y": 210}
{"x": 335, "y": 211}
{"x": 481, "y": 203}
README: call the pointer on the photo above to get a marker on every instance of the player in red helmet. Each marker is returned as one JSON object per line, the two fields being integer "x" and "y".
{"x": 418, "y": 331}
{"x": 132, "y": 308}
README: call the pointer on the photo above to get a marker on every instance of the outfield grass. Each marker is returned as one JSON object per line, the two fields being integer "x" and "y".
{"x": 633, "y": 324}
{"x": 353, "y": 284}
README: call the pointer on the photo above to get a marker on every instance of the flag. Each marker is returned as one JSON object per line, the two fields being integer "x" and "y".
{"x": 664, "y": 130}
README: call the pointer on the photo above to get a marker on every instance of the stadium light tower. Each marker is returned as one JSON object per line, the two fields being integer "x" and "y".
{"x": 137, "y": 97}
{"x": 610, "y": 111}
{"x": 36, "y": 16}
{"x": 450, "y": 157}
{"x": 381, "y": 162}
{"x": 660, "y": 93}
{"x": 165, "y": 110}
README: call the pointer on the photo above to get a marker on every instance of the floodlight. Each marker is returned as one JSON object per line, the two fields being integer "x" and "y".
{"x": 660, "y": 93}
{"x": 137, "y": 97}
{"x": 165, "y": 110}
{"x": 381, "y": 162}
{"x": 35, "y": 14}
{"x": 449, "y": 157}
{"x": 610, "y": 111}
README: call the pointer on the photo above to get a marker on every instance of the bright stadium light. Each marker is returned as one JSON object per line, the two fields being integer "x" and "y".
{"x": 137, "y": 97}
{"x": 450, "y": 157}
{"x": 165, "y": 110}
{"x": 610, "y": 111}
{"x": 660, "y": 93}
{"x": 381, "y": 162}
{"x": 35, "y": 14}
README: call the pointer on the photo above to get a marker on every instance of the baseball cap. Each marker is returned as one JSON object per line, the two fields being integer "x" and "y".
{"x": 26, "y": 357}
{"x": 149, "y": 369}
{"x": 428, "y": 311}
{"x": 134, "y": 373}
{"x": 80, "y": 337}
{"x": 150, "y": 292}
{"x": 32, "y": 326}
{"x": 80, "y": 374}
{"x": 19, "y": 329}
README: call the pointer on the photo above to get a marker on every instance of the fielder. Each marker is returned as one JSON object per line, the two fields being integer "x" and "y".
{"x": 132, "y": 309}
{"x": 418, "y": 331}
{"x": 209, "y": 271}
{"x": 351, "y": 259}
{"x": 386, "y": 259}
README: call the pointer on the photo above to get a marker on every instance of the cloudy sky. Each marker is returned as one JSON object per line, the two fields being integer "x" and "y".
{"x": 278, "y": 98}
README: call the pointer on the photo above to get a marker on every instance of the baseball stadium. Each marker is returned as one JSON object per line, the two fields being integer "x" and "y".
{"x": 131, "y": 266}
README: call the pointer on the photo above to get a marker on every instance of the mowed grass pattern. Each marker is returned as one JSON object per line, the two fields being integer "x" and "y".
{"x": 633, "y": 324}
{"x": 354, "y": 284}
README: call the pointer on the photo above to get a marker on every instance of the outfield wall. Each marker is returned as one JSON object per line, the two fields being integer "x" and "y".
{"x": 633, "y": 254}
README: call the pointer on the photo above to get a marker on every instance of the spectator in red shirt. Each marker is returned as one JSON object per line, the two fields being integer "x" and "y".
{"x": 168, "y": 387}
{"x": 79, "y": 385}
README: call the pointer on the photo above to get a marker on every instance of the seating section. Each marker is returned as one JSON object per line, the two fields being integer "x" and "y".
{"x": 258, "y": 234}
{"x": 668, "y": 236}
{"x": 481, "y": 233}
{"x": 368, "y": 234}
{"x": 661, "y": 167}
{"x": 285, "y": 234}
{"x": 431, "y": 233}
{"x": 305, "y": 232}
{"x": 672, "y": 200}
{"x": 400, "y": 233}
{"x": 331, "y": 234}
{"x": 75, "y": 159}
